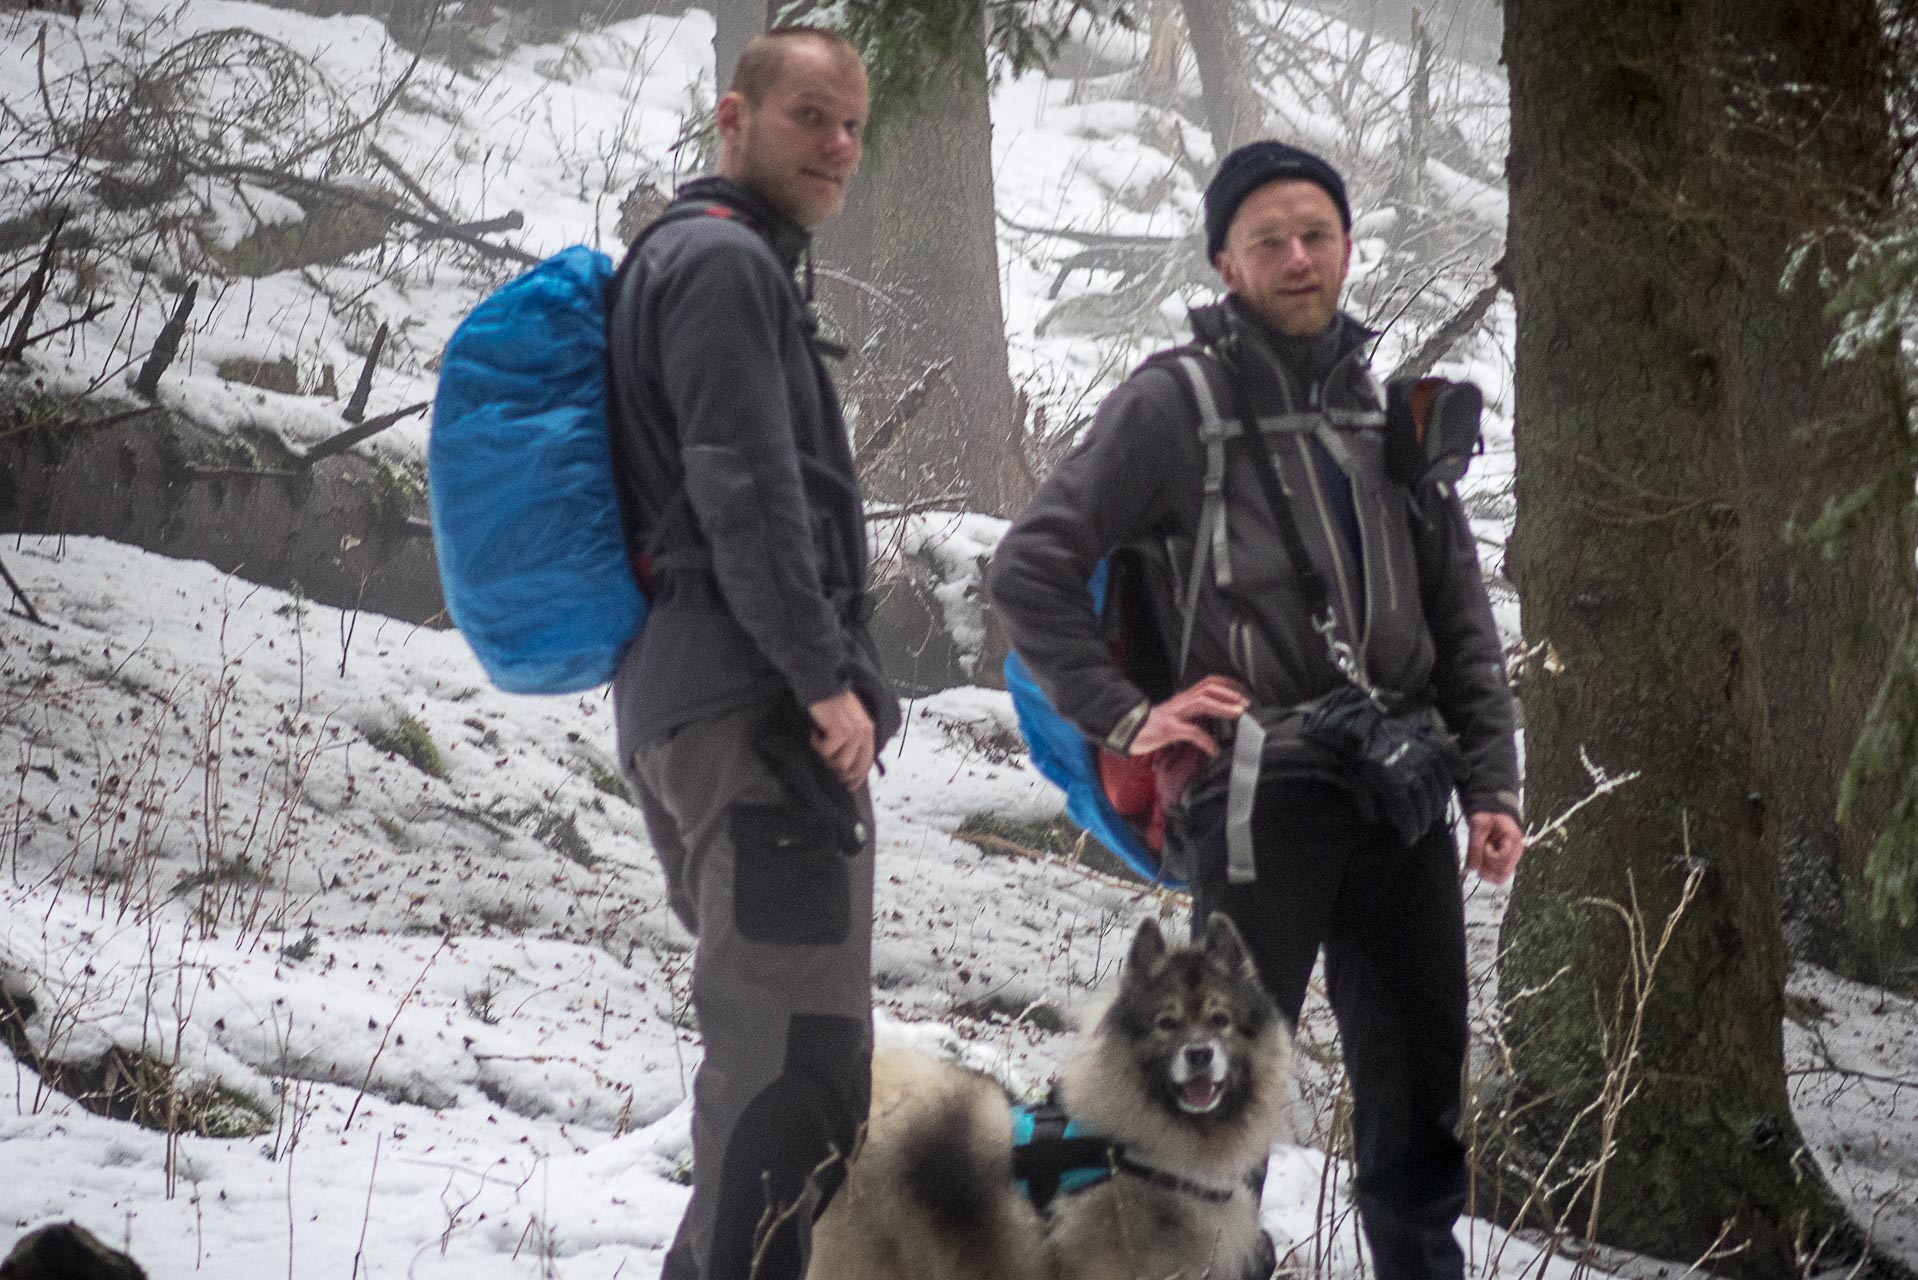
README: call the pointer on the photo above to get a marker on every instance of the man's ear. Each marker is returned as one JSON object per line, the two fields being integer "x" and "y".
{"x": 728, "y": 114}
{"x": 1222, "y": 263}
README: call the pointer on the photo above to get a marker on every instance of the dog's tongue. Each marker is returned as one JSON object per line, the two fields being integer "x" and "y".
{"x": 1199, "y": 1094}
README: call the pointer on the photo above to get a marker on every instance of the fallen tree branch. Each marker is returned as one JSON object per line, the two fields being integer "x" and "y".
{"x": 1097, "y": 239}
{"x": 944, "y": 502}
{"x": 87, "y": 424}
{"x": 91, "y": 313}
{"x": 435, "y": 228}
{"x": 485, "y": 226}
{"x": 256, "y": 473}
{"x": 371, "y": 427}
{"x": 405, "y": 179}
{"x": 1448, "y": 335}
{"x": 903, "y": 411}
{"x": 1852, "y": 1073}
{"x": 115, "y": 419}
{"x": 19, "y": 593}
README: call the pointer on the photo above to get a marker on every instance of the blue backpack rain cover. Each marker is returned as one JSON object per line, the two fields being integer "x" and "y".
{"x": 1069, "y": 760}
{"x": 526, "y": 518}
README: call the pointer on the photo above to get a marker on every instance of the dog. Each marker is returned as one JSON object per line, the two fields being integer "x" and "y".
{"x": 66, "y": 1251}
{"x": 1182, "y": 1083}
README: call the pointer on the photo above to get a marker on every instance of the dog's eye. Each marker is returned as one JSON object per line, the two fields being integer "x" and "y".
{"x": 1220, "y": 1021}
{"x": 1167, "y": 1022}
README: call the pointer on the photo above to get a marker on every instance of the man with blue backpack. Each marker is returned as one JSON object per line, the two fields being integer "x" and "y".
{"x": 751, "y": 705}
{"x": 1309, "y": 656}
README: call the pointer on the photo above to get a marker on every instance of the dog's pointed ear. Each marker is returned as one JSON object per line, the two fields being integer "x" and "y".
{"x": 1148, "y": 948}
{"x": 1225, "y": 948}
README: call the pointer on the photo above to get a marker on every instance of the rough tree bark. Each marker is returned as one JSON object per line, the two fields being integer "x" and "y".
{"x": 920, "y": 236}
{"x": 1652, "y": 408}
{"x": 1827, "y": 625}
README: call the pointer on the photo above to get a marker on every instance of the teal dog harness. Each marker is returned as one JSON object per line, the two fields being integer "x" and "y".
{"x": 1054, "y": 1155}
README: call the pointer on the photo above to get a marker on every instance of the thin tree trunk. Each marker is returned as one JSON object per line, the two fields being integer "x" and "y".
{"x": 735, "y": 22}
{"x": 1233, "y": 111}
{"x": 1649, "y": 350}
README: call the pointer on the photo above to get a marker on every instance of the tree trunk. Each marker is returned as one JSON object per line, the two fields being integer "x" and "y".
{"x": 1652, "y": 346}
{"x": 921, "y": 238}
{"x": 1166, "y": 39}
{"x": 1233, "y": 111}
{"x": 735, "y": 22}
{"x": 1827, "y": 624}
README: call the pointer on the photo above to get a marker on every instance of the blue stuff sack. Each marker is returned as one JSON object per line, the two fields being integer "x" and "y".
{"x": 1069, "y": 760}
{"x": 532, "y": 547}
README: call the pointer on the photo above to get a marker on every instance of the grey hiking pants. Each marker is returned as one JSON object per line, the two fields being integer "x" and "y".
{"x": 782, "y": 986}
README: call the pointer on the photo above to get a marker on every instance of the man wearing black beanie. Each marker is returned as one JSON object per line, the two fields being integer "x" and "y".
{"x": 1247, "y": 606}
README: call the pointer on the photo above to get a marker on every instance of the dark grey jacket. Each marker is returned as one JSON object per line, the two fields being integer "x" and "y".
{"x": 734, "y": 455}
{"x": 1407, "y": 597}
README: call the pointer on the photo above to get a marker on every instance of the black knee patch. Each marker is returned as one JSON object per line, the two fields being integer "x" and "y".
{"x": 797, "y": 1132}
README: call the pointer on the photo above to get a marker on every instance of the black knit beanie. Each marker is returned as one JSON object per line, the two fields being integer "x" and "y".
{"x": 1251, "y": 167}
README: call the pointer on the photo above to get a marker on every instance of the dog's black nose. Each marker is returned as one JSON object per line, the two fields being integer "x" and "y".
{"x": 1198, "y": 1056}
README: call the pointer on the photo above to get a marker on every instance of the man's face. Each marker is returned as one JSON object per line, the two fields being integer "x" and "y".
{"x": 1286, "y": 255}
{"x": 799, "y": 145}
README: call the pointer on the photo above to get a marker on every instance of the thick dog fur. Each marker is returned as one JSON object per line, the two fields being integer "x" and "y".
{"x": 930, "y": 1195}
{"x": 66, "y": 1251}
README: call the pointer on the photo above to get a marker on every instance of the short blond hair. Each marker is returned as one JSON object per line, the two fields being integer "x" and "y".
{"x": 764, "y": 57}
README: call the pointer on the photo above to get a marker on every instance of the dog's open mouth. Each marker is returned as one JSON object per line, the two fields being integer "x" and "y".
{"x": 1198, "y": 1096}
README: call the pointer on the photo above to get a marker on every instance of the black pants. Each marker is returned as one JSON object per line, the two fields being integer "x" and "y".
{"x": 1392, "y": 922}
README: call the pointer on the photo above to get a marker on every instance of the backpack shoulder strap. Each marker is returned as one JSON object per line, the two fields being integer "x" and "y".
{"x": 1198, "y": 370}
{"x": 647, "y": 556}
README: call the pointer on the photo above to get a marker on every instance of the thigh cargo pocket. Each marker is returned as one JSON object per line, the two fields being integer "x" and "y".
{"x": 791, "y": 884}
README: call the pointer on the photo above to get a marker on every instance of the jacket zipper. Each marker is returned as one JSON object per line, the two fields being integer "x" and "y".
{"x": 1340, "y": 569}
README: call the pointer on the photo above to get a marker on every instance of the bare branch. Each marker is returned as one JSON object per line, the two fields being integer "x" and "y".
{"x": 36, "y": 289}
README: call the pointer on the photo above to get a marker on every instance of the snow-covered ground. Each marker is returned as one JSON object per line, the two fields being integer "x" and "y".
{"x": 455, "y": 1006}
{"x": 471, "y": 980}
{"x": 450, "y": 997}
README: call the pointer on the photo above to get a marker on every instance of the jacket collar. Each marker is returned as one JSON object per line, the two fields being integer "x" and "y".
{"x": 788, "y": 239}
{"x": 1220, "y": 321}
{"x": 1280, "y": 368}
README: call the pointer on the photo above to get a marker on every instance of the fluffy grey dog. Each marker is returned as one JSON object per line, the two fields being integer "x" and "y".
{"x": 1183, "y": 1080}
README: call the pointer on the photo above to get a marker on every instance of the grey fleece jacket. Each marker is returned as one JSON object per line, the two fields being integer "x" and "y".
{"x": 734, "y": 455}
{"x": 1408, "y": 598}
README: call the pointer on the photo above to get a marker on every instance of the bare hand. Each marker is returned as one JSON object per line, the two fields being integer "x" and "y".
{"x": 843, "y": 736}
{"x": 1177, "y": 718}
{"x": 1495, "y": 845}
